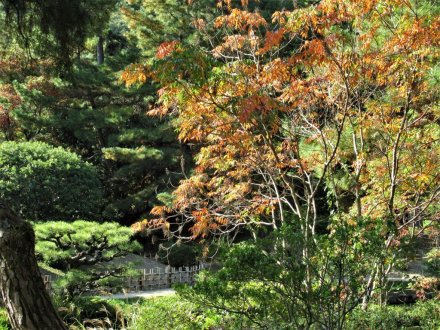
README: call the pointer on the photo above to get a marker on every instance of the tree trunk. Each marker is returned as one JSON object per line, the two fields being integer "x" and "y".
{"x": 21, "y": 286}
{"x": 100, "y": 50}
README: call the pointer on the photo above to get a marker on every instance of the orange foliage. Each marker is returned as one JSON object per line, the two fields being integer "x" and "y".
{"x": 270, "y": 121}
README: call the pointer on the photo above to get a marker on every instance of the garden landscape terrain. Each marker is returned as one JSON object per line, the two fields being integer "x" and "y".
{"x": 275, "y": 162}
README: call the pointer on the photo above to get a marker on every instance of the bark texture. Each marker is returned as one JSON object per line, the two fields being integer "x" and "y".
{"x": 100, "y": 50}
{"x": 22, "y": 288}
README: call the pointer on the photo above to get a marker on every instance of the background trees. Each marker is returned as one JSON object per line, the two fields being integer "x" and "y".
{"x": 314, "y": 128}
{"x": 90, "y": 112}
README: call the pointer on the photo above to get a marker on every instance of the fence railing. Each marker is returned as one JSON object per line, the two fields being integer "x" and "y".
{"x": 148, "y": 279}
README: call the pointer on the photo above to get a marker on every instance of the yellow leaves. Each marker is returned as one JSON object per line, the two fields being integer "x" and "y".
{"x": 240, "y": 20}
{"x": 315, "y": 52}
{"x": 135, "y": 74}
{"x": 202, "y": 223}
{"x": 145, "y": 225}
{"x": 199, "y": 24}
{"x": 159, "y": 111}
{"x": 230, "y": 43}
{"x": 351, "y": 222}
{"x": 279, "y": 17}
{"x": 261, "y": 114}
{"x": 276, "y": 74}
{"x": 228, "y": 3}
{"x": 160, "y": 210}
{"x": 254, "y": 103}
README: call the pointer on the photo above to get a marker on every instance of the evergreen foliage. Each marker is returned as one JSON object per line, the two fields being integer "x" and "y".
{"x": 84, "y": 251}
{"x": 46, "y": 183}
{"x": 64, "y": 246}
{"x": 55, "y": 29}
{"x": 106, "y": 123}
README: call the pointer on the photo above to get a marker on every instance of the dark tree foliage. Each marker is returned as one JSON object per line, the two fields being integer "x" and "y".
{"x": 61, "y": 25}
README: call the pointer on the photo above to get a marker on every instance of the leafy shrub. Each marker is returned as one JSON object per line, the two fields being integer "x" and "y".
{"x": 433, "y": 261}
{"x": 4, "y": 323}
{"x": 46, "y": 183}
{"x": 424, "y": 315}
{"x": 93, "y": 312}
{"x": 174, "y": 313}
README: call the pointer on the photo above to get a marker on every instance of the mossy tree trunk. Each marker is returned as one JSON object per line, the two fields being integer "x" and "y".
{"x": 22, "y": 289}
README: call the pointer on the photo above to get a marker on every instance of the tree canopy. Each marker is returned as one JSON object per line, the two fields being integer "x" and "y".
{"x": 295, "y": 144}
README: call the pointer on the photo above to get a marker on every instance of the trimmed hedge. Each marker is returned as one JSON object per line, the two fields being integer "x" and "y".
{"x": 46, "y": 183}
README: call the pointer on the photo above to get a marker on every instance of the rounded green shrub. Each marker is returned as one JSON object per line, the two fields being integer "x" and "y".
{"x": 45, "y": 183}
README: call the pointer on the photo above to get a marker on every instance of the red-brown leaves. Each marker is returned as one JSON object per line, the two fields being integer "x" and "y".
{"x": 166, "y": 49}
{"x": 272, "y": 40}
{"x": 265, "y": 115}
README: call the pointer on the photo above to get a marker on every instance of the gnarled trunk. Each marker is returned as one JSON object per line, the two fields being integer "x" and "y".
{"x": 21, "y": 286}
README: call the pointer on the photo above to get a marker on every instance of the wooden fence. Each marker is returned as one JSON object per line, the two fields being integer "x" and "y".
{"x": 148, "y": 279}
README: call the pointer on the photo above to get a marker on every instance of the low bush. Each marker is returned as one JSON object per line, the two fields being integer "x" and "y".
{"x": 174, "y": 313}
{"x": 4, "y": 323}
{"x": 422, "y": 315}
{"x": 93, "y": 312}
{"x": 161, "y": 313}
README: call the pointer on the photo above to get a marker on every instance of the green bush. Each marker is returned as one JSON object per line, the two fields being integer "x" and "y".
{"x": 46, "y": 183}
{"x": 433, "y": 261}
{"x": 422, "y": 315}
{"x": 93, "y": 312}
{"x": 174, "y": 313}
{"x": 4, "y": 323}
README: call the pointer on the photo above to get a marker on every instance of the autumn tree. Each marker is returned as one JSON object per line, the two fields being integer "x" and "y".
{"x": 323, "y": 120}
